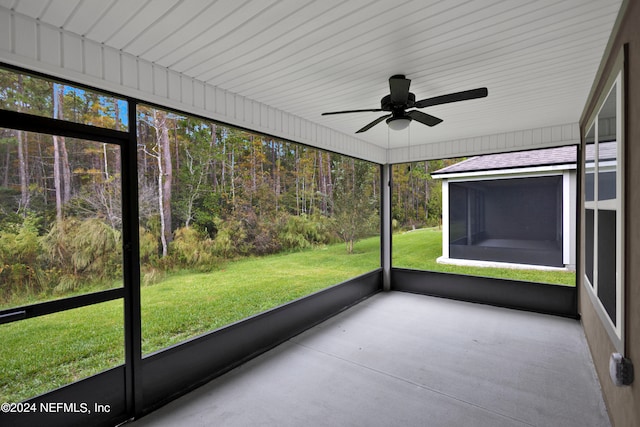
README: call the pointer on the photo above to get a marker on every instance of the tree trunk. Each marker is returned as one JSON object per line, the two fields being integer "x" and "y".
{"x": 63, "y": 156}
{"x": 212, "y": 159}
{"x": 42, "y": 174}
{"x": 312, "y": 184}
{"x": 427, "y": 190}
{"x": 322, "y": 184}
{"x": 254, "y": 164}
{"x": 233, "y": 177}
{"x": 105, "y": 158}
{"x": 275, "y": 175}
{"x": 223, "y": 175}
{"x": 22, "y": 161}
{"x": 163, "y": 224}
{"x": 66, "y": 170}
{"x": 24, "y": 184}
{"x": 329, "y": 181}
{"x": 349, "y": 246}
{"x": 297, "y": 175}
{"x": 5, "y": 182}
{"x": 164, "y": 178}
{"x": 57, "y": 182}
{"x": 167, "y": 178}
{"x": 116, "y": 111}
{"x": 176, "y": 148}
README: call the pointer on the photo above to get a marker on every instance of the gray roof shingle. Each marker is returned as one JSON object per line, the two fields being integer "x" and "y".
{"x": 520, "y": 159}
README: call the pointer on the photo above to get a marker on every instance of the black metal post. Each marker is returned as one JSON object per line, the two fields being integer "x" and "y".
{"x": 131, "y": 268}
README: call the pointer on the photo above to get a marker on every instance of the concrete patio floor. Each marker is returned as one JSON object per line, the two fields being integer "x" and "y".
{"x": 399, "y": 359}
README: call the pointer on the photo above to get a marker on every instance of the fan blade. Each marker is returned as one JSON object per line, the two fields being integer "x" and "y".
{"x": 452, "y": 97}
{"x": 352, "y": 111}
{"x": 399, "y": 87}
{"x": 373, "y": 123}
{"x": 424, "y": 118}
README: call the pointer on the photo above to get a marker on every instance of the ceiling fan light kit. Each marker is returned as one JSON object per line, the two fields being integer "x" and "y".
{"x": 400, "y": 99}
{"x": 399, "y": 123}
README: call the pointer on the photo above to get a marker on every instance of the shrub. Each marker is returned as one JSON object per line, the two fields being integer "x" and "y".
{"x": 262, "y": 236}
{"x": 230, "y": 240}
{"x": 20, "y": 245}
{"x": 19, "y": 251}
{"x": 97, "y": 248}
{"x": 150, "y": 273}
{"x": 302, "y": 231}
{"x": 149, "y": 247}
{"x": 191, "y": 248}
{"x": 85, "y": 252}
{"x": 265, "y": 238}
{"x": 151, "y": 276}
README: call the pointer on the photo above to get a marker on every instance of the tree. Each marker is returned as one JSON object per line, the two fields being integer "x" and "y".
{"x": 61, "y": 170}
{"x": 198, "y": 149}
{"x": 417, "y": 197}
{"x": 165, "y": 176}
{"x": 354, "y": 208}
{"x": 22, "y": 156}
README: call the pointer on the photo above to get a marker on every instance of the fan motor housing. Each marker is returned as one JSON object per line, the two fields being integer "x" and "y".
{"x": 387, "y": 105}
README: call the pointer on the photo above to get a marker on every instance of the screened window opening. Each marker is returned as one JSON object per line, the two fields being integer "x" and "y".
{"x": 43, "y": 353}
{"x": 515, "y": 220}
{"x": 25, "y": 93}
{"x": 488, "y": 215}
{"x": 62, "y": 277}
{"x": 235, "y": 223}
{"x": 60, "y": 218}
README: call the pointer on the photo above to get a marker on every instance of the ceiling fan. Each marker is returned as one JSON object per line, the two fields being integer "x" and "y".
{"x": 400, "y": 99}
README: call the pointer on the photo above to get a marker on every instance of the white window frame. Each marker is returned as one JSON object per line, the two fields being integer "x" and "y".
{"x": 616, "y": 331}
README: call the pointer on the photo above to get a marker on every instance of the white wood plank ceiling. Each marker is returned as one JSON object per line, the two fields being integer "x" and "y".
{"x": 304, "y": 57}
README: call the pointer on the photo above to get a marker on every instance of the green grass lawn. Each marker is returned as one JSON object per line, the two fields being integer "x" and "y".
{"x": 43, "y": 353}
{"x": 185, "y": 304}
{"x": 46, "y": 352}
{"x": 419, "y": 249}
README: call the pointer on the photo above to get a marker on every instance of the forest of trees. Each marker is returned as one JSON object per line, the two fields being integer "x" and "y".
{"x": 207, "y": 193}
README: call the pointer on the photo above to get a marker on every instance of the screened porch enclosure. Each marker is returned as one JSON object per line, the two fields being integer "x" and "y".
{"x": 232, "y": 191}
{"x": 516, "y": 220}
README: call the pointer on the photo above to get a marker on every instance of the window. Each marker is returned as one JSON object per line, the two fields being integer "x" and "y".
{"x": 603, "y": 210}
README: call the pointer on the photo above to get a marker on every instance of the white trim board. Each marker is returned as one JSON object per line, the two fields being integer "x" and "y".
{"x": 28, "y": 43}
{"x": 40, "y": 47}
{"x": 507, "y": 173}
{"x": 517, "y": 140}
{"x": 496, "y": 264}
